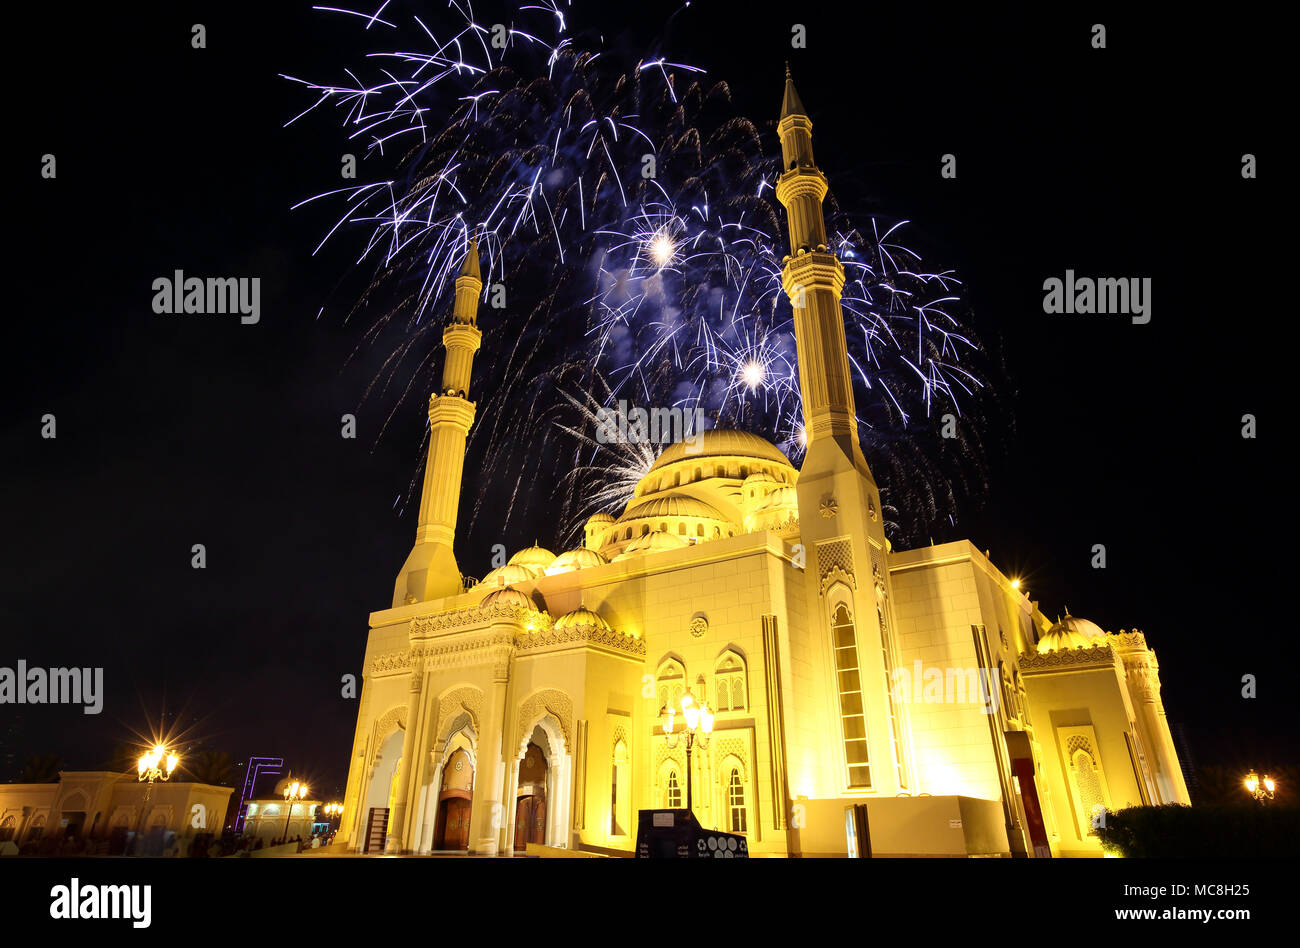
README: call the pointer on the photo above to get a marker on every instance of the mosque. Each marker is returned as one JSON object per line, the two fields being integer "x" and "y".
{"x": 847, "y": 697}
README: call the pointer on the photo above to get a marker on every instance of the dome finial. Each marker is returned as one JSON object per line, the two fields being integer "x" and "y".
{"x": 791, "y": 105}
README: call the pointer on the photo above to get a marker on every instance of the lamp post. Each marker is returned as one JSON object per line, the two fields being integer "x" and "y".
{"x": 1261, "y": 788}
{"x": 157, "y": 764}
{"x": 292, "y": 790}
{"x": 699, "y": 725}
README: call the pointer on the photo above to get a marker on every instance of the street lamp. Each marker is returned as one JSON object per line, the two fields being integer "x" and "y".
{"x": 699, "y": 725}
{"x": 157, "y": 764}
{"x": 1261, "y": 788}
{"x": 292, "y": 790}
{"x": 332, "y": 810}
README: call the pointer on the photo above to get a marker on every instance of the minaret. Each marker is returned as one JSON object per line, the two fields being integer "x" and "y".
{"x": 430, "y": 572}
{"x": 841, "y": 521}
{"x": 813, "y": 279}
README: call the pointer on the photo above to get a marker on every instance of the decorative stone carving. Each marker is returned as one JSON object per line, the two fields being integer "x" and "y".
{"x": 590, "y": 634}
{"x": 1096, "y": 656}
{"x": 468, "y": 699}
{"x": 829, "y": 508}
{"x": 551, "y": 701}
{"x": 699, "y": 626}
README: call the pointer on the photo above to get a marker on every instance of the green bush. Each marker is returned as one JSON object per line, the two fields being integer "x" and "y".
{"x": 1173, "y": 831}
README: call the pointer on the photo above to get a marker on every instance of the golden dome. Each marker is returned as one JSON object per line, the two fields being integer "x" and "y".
{"x": 507, "y": 596}
{"x": 1071, "y": 632}
{"x": 535, "y": 556}
{"x": 582, "y": 617}
{"x": 510, "y": 574}
{"x": 718, "y": 442}
{"x": 654, "y": 541}
{"x": 581, "y": 558}
{"x": 674, "y": 505}
{"x": 601, "y": 517}
{"x": 781, "y": 497}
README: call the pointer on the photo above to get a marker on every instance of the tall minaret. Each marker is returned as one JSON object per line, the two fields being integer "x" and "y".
{"x": 813, "y": 279}
{"x": 430, "y": 572}
{"x": 840, "y": 516}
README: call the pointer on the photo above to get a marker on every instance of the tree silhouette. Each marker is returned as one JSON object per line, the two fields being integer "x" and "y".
{"x": 214, "y": 767}
{"x": 41, "y": 768}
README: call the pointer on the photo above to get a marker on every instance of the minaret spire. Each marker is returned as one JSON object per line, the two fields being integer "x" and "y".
{"x": 430, "y": 572}
{"x": 813, "y": 279}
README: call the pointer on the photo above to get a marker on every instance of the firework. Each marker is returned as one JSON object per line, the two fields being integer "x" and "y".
{"x": 660, "y": 288}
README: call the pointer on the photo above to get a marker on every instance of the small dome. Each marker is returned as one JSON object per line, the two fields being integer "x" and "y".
{"x": 510, "y": 574}
{"x": 581, "y": 558}
{"x": 656, "y": 540}
{"x": 781, "y": 497}
{"x": 535, "y": 555}
{"x": 601, "y": 517}
{"x": 582, "y": 617}
{"x": 283, "y": 782}
{"x": 674, "y": 505}
{"x": 761, "y": 477}
{"x": 507, "y": 596}
{"x": 1071, "y": 632}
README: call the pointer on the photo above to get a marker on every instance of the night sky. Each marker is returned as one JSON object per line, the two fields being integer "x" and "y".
{"x": 181, "y": 430}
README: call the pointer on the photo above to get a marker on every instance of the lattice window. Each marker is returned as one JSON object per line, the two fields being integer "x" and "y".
{"x": 832, "y": 554}
{"x": 895, "y": 715}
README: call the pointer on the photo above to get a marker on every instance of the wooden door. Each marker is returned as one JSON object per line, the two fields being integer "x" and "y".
{"x": 453, "y": 824}
{"x": 530, "y": 821}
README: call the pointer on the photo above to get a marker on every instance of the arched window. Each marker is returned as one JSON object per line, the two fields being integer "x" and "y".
{"x": 720, "y": 471}
{"x": 628, "y": 534}
{"x": 681, "y": 529}
{"x": 744, "y": 472}
{"x": 729, "y": 682}
{"x": 699, "y": 529}
{"x": 698, "y": 473}
{"x": 670, "y": 683}
{"x": 663, "y": 528}
{"x": 717, "y": 531}
{"x": 673, "y": 799}
{"x": 852, "y": 714}
{"x": 620, "y": 792}
{"x": 645, "y": 528}
{"x": 736, "y": 822}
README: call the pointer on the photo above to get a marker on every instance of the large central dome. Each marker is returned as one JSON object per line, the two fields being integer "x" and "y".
{"x": 721, "y": 442}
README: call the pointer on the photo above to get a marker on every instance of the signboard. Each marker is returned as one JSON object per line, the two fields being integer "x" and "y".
{"x": 676, "y": 834}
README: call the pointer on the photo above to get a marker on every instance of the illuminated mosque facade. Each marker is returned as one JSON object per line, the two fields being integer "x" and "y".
{"x": 921, "y": 689}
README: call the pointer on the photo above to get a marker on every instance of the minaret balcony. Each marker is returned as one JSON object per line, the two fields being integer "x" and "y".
{"x": 810, "y": 271}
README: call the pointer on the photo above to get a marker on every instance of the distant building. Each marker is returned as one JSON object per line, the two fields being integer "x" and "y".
{"x": 265, "y": 818}
{"x": 91, "y": 804}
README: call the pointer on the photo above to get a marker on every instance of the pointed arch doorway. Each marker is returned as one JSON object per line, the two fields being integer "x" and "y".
{"x": 455, "y": 801}
{"x": 530, "y": 798}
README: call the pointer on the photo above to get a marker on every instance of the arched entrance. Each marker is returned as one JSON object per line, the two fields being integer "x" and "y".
{"x": 530, "y": 798}
{"x": 378, "y": 804}
{"x": 541, "y": 780}
{"x": 455, "y": 800}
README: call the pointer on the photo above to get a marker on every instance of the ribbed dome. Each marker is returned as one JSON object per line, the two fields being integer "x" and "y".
{"x": 674, "y": 505}
{"x": 781, "y": 497}
{"x": 582, "y": 617}
{"x": 1071, "y": 632}
{"x": 656, "y": 540}
{"x": 536, "y": 556}
{"x": 601, "y": 517}
{"x": 718, "y": 442}
{"x": 508, "y": 596}
{"x": 581, "y": 558}
{"x": 510, "y": 574}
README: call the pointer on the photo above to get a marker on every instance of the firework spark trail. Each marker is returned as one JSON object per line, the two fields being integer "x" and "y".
{"x": 666, "y": 286}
